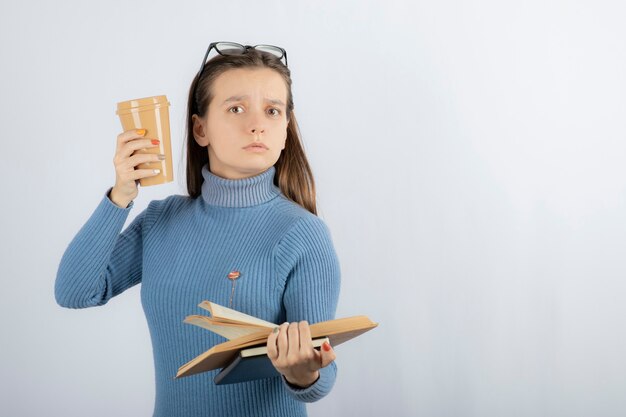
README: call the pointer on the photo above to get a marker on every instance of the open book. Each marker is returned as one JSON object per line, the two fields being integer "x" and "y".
{"x": 247, "y": 339}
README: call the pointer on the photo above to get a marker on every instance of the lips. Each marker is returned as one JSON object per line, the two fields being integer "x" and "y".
{"x": 256, "y": 146}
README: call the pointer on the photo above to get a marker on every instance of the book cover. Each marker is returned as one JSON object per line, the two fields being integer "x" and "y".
{"x": 251, "y": 364}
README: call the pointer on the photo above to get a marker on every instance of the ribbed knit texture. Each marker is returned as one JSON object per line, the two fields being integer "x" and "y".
{"x": 181, "y": 251}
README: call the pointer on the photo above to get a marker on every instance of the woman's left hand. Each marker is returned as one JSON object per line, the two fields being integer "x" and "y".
{"x": 291, "y": 351}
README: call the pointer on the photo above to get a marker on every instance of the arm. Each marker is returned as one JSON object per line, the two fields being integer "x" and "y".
{"x": 307, "y": 258}
{"x": 100, "y": 263}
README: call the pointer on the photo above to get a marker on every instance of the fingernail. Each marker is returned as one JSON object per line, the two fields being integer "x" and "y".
{"x": 141, "y": 132}
{"x": 155, "y": 141}
{"x": 326, "y": 346}
{"x": 161, "y": 156}
{"x": 156, "y": 171}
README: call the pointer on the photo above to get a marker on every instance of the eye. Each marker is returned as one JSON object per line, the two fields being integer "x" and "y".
{"x": 277, "y": 111}
{"x": 234, "y": 107}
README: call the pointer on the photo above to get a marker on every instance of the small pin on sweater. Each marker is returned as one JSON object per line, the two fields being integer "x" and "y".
{"x": 233, "y": 276}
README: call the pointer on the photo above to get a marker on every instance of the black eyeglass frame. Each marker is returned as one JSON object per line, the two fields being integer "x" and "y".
{"x": 245, "y": 50}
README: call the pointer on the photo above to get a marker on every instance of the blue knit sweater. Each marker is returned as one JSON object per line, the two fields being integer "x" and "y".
{"x": 181, "y": 250}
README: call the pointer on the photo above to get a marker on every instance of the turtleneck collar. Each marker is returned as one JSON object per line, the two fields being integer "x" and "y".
{"x": 245, "y": 192}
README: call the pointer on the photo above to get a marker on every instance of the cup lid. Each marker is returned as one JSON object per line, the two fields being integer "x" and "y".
{"x": 140, "y": 104}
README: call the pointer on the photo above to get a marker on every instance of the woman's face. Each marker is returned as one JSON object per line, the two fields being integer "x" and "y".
{"x": 245, "y": 127}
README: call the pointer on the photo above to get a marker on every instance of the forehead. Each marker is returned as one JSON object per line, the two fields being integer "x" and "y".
{"x": 261, "y": 82}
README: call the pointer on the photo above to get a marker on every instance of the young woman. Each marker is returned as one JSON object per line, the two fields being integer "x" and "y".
{"x": 250, "y": 212}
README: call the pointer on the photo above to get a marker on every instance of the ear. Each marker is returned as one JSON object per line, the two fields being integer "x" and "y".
{"x": 199, "y": 131}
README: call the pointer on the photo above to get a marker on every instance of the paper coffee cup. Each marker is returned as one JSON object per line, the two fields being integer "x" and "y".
{"x": 152, "y": 114}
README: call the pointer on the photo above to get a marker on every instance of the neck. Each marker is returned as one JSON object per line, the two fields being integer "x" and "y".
{"x": 243, "y": 192}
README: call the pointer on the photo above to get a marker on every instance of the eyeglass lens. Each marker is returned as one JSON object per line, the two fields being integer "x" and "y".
{"x": 229, "y": 48}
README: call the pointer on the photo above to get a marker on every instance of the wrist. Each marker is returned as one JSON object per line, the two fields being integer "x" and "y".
{"x": 304, "y": 382}
{"x": 122, "y": 203}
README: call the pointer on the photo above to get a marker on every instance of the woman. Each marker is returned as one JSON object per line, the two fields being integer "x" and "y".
{"x": 250, "y": 212}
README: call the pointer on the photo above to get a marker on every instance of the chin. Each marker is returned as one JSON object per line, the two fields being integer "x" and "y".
{"x": 254, "y": 170}
{"x": 257, "y": 166}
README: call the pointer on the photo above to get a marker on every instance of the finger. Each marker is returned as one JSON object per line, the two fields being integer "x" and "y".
{"x": 129, "y": 135}
{"x": 306, "y": 342}
{"x": 136, "y": 144}
{"x": 142, "y": 158}
{"x": 130, "y": 149}
{"x": 143, "y": 173}
{"x": 294, "y": 341}
{"x": 127, "y": 167}
{"x": 307, "y": 352}
{"x": 327, "y": 354}
{"x": 283, "y": 342}
{"x": 272, "y": 349}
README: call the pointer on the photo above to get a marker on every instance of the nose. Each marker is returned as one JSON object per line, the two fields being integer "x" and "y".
{"x": 257, "y": 124}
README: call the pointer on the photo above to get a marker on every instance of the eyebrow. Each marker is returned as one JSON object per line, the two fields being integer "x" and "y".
{"x": 239, "y": 98}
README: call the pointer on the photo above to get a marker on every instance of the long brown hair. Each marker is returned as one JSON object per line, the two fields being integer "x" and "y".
{"x": 293, "y": 173}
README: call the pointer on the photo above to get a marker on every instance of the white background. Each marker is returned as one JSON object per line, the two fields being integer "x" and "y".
{"x": 469, "y": 157}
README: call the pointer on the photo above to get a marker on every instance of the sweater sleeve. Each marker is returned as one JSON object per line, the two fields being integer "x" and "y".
{"x": 100, "y": 262}
{"x": 307, "y": 258}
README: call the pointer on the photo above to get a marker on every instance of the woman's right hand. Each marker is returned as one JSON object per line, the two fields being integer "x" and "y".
{"x": 125, "y": 161}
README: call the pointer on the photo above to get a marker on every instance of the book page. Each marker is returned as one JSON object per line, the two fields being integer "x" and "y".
{"x": 226, "y": 315}
{"x": 229, "y": 331}
{"x": 262, "y": 350}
